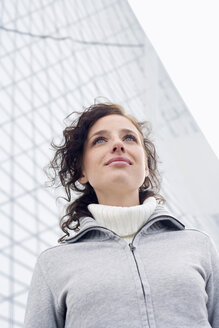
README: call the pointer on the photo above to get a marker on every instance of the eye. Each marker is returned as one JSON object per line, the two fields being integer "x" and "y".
{"x": 97, "y": 139}
{"x": 131, "y": 137}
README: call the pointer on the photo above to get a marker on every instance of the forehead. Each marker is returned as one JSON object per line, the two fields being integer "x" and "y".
{"x": 111, "y": 122}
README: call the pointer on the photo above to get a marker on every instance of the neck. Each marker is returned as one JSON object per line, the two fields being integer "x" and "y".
{"x": 119, "y": 199}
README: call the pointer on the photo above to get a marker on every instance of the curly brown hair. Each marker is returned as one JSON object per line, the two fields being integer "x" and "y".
{"x": 67, "y": 163}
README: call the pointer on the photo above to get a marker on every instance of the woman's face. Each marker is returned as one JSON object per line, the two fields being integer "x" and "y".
{"x": 110, "y": 137}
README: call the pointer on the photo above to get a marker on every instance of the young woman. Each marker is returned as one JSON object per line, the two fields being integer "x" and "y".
{"x": 124, "y": 260}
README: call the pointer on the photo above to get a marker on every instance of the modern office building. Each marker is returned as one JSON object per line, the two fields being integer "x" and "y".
{"x": 56, "y": 57}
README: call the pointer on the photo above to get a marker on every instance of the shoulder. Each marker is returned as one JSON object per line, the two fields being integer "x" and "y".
{"x": 55, "y": 254}
{"x": 190, "y": 238}
{"x": 202, "y": 239}
{"x": 197, "y": 233}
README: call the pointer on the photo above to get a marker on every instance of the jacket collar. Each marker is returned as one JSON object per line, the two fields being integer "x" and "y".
{"x": 161, "y": 219}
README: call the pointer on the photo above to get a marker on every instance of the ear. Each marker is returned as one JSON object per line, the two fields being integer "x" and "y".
{"x": 83, "y": 179}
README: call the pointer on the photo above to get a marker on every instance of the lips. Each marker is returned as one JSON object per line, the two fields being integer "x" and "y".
{"x": 120, "y": 159}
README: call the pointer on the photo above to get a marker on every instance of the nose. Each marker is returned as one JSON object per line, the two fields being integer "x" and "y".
{"x": 118, "y": 147}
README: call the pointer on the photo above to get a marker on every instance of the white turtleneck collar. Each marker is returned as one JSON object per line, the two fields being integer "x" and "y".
{"x": 124, "y": 221}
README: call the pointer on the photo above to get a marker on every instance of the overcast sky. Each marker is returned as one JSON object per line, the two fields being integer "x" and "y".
{"x": 185, "y": 35}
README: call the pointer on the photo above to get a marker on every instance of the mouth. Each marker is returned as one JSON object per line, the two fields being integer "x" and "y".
{"x": 119, "y": 161}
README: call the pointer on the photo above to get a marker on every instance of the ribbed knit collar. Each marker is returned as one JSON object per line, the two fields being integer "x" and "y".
{"x": 125, "y": 221}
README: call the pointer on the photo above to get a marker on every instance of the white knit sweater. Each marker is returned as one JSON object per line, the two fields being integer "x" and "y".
{"x": 124, "y": 221}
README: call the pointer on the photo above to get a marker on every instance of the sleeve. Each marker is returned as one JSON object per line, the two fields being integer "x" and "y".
{"x": 42, "y": 308}
{"x": 212, "y": 286}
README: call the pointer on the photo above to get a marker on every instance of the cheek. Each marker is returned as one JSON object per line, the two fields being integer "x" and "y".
{"x": 90, "y": 162}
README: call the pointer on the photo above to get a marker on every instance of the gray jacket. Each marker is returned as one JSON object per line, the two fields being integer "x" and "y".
{"x": 168, "y": 277}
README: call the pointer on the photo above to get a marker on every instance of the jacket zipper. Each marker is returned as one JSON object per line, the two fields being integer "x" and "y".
{"x": 132, "y": 248}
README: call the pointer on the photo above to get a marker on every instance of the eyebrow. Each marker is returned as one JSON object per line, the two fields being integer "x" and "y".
{"x": 107, "y": 131}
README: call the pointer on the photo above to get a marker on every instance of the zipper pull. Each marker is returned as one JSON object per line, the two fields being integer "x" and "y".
{"x": 131, "y": 247}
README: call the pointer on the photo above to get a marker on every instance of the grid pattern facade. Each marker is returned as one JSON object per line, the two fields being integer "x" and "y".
{"x": 56, "y": 57}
